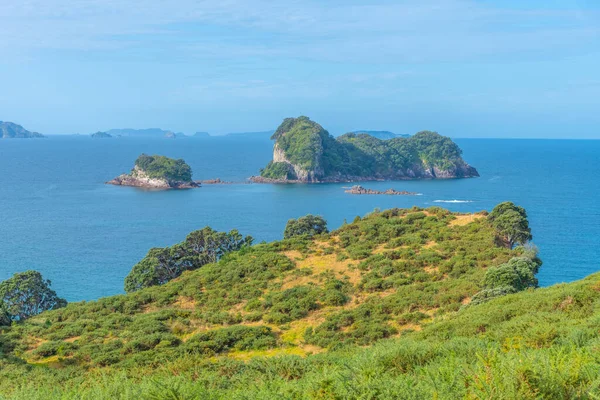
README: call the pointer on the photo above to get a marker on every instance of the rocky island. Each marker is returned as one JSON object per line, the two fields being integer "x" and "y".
{"x": 304, "y": 152}
{"x": 10, "y": 130}
{"x": 157, "y": 172}
{"x": 101, "y": 135}
{"x": 357, "y": 189}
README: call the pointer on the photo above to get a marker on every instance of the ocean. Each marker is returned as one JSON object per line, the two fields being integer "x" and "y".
{"x": 58, "y": 217}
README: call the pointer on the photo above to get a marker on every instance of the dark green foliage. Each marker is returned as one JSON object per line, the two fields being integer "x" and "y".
{"x": 199, "y": 248}
{"x": 307, "y": 226}
{"x": 518, "y": 273}
{"x": 27, "y": 294}
{"x": 511, "y": 223}
{"x": 233, "y": 338}
{"x": 291, "y": 304}
{"x": 161, "y": 167}
{"x": 489, "y": 294}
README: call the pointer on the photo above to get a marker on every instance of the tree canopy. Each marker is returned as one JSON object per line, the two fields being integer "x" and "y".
{"x": 161, "y": 167}
{"x": 200, "y": 247}
{"x": 309, "y": 226}
{"x": 511, "y": 223}
{"x": 26, "y": 294}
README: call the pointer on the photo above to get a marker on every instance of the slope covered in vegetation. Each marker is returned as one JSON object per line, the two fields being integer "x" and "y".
{"x": 306, "y": 152}
{"x": 307, "y": 304}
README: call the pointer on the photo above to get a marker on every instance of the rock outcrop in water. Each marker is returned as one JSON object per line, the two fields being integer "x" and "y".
{"x": 357, "y": 189}
{"x": 157, "y": 172}
{"x": 305, "y": 152}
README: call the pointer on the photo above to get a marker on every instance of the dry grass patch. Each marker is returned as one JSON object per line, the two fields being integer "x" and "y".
{"x": 461, "y": 220}
{"x": 185, "y": 303}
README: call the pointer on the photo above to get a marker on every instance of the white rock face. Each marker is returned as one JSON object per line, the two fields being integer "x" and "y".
{"x": 301, "y": 173}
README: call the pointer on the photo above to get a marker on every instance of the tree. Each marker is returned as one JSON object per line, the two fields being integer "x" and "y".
{"x": 518, "y": 273}
{"x": 309, "y": 225}
{"x": 27, "y": 294}
{"x": 511, "y": 223}
{"x": 199, "y": 248}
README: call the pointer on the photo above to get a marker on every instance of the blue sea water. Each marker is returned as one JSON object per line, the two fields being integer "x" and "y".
{"x": 58, "y": 217}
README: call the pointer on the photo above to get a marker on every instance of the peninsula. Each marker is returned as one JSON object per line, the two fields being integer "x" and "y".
{"x": 357, "y": 189}
{"x": 304, "y": 152}
{"x": 10, "y": 130}
{"x": 157, "y": 172}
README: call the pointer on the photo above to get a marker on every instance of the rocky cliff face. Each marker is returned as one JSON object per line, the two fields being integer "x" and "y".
{"x": 139, "y": 178}
{"x": 301, "y": 174}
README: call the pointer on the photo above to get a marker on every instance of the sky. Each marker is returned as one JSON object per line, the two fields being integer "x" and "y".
{"x": 464, "y": 68}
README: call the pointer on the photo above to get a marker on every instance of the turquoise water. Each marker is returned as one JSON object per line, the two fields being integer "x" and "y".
{"x": 58, "y": 217}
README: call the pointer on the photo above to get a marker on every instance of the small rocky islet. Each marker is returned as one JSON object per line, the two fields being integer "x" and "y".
{"x": 158, "y": 173}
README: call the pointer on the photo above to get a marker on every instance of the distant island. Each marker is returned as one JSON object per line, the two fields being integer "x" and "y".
{"x": 157, "y": 172}
{"x": 142, "y": 133}
{"x": 202, "y": 135}
{"x": 357, "y": 189}
{"x": 383, "y": 135}
{"x": 100, "y": 135}
{"x": 10, "y": 130}
{"x": 304, "y": 152}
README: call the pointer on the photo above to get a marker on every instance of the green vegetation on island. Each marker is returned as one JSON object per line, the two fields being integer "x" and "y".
{"x": 306, "y": 152}
{"x": 161, "y": 167}
{"x": 403, "y": 303}
{"x": 157, "y": 172}
{"x": 10, "y": 130}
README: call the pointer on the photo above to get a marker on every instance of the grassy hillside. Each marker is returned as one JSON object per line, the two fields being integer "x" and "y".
{"x": 291, "y": 319}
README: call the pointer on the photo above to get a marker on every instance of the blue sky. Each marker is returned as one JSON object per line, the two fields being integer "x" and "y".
{"x": 462, "y": 67}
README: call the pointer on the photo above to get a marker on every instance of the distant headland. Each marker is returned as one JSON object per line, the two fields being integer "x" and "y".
{"x": 10, "y": 130}
{"x": 101, "y": 135}
{"x": 304, "y": 152}
{"x": 157, "y": 172}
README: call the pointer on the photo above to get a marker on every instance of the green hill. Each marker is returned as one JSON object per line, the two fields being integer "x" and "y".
{"x": 399, "y": 304}
{"x": 305, "y": 152}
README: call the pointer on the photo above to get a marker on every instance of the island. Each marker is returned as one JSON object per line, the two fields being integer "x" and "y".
{"x": 357, "y": 189}
{"x": 203, "y": 135}
{"x": 10, "y": 130}
{"x": 157, "y": 172}
{"x": 101, "y": 135}
{"x": 304, "y": 152}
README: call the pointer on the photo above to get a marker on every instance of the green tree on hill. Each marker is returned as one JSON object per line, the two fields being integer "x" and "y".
{"x": 199, "y": 248}
{"x": 309, "y": 225}
{"x": 511, "y": 223}
{"x": 26, "y": 294}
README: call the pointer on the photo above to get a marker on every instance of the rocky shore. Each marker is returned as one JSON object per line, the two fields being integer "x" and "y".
{"x": 357, "y": 189}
